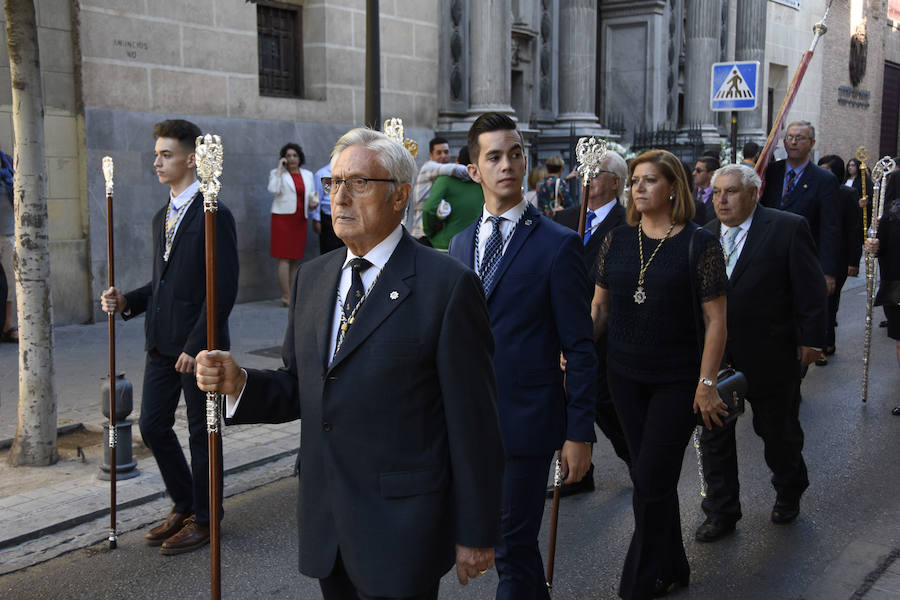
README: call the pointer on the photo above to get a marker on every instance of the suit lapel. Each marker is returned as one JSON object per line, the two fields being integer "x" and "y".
{"x": 389, "y": 292}
{"x": 324, "y": 298}
{"x": 464, "y": 246}
{"x": 755, "y": 240}
{"x": 529, "y": 222}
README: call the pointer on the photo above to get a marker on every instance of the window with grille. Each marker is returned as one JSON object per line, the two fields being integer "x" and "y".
{"x": 280, "y": 50}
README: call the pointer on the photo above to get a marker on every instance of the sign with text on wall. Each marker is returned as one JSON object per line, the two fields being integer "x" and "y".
{"x": 734, "y": 86}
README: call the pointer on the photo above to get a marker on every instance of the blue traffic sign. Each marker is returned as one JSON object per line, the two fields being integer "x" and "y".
{"x": 734, "y": 86}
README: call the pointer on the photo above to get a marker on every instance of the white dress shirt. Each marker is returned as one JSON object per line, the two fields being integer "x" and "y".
{"x": 600, "y": 214}
{"x": 378, "y": 256}
{"x": 177, "y": 202}
{"x": 507, "y": 226}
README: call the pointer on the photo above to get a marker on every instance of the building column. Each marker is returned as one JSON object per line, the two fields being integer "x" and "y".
{"x": 577, "y": 65}
{"x": 750, "y": 44}
{"x": 701, "y": 41}
{"x": 490, "y": 47}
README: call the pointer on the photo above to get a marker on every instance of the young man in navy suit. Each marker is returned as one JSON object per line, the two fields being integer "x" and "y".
{"x": 537, "y": 288}
{"x": 175, "y": 328}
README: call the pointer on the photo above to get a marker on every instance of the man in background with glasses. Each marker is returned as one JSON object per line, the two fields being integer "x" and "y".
{"x": 388, "y": 361}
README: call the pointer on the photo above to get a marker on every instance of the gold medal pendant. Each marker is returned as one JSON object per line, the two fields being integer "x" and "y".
{"x": 640, "y": 295}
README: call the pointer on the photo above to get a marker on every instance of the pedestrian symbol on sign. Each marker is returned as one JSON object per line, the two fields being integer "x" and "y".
{"x": 734, "y": 87}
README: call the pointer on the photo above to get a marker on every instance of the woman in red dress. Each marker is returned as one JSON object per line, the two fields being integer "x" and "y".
{"x": 294, "y": 196}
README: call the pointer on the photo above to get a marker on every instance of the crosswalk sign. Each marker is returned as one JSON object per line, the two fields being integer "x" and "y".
{"x": 734, "y": 86}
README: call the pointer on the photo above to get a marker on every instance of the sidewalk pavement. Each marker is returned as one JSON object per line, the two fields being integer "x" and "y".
{"x": 59, "y": 512}
{"x": 45, "y": 511}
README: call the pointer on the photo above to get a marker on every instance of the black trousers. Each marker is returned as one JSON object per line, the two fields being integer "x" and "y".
{"x": 658, "y": 422}
{"x": 337, "y": 586}
{"x": 607, "y": 419}
{"x": 834, "y": 301}
{"x": 776, "y": 420}
{"x": 163, "y": 386}
{"x": 328, "y": 241}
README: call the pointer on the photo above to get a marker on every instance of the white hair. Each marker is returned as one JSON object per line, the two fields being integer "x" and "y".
{"x": 617, "y": 165}
{"x": 749, "y": 178}
{"x": 393, "y": 157}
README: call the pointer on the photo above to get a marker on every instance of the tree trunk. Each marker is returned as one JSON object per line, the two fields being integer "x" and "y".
{"x": 35, "y": 441}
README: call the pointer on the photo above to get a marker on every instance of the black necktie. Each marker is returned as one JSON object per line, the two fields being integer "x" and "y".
{"x": 354, "y": 296}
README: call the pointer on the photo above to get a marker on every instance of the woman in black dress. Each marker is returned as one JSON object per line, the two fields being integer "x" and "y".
{"x": 646, "y": 304}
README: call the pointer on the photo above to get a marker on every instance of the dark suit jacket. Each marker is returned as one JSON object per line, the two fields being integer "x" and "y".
{"x": 814, "y": 197}
{"x": 569, "y": 217}
{"x": 539, "y": 307}
{"x": 401, "y": 455}
{"x": 776, "y": 299}
{"x": 851, "y": 228}
{"x": 175, "y": 299}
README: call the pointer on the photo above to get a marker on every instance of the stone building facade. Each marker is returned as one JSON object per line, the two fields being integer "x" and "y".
{"x": 265, "y": 73}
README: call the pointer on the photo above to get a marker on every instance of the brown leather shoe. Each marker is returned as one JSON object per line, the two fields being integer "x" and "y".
{"x": 172, "y": 525}
{"x": 191, "y": 537}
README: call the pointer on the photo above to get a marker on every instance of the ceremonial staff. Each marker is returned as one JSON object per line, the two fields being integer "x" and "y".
{"x": 862, "y": 156}
{"x": 589, "y": 153}
{"x": 209, "y": 169}
{"x": 111, "y": 317}
{"x": 879, "y": 174}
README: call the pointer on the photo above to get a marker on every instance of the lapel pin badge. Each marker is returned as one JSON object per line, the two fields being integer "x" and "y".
{"x": 527, "y": 222}
{"x": 394, "y": 295}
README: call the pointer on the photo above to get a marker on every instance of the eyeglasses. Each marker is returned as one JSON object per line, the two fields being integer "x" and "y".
{"x": 796, "y": 138}
{"x": 353, "y": 185}
{"x": 698, "y": 170}
{"x": 600, "y": 172}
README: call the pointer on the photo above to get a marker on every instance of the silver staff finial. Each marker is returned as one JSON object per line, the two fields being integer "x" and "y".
{"x": 883, "y": 167}
{"x": 393, "y": 128}
{"x": 108, "y": 174}
{"x": 590, "y": 153}
{"x": 209, "y": 168}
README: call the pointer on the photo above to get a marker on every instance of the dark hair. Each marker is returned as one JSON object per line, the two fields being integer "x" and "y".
{"x": 184, "y": 131}
{"x": 751, "y": 149}
{"x": 709, "y": 162}
{"x": 672, "y": 171}
{"x": 711, "y": 154}
{"x": 555, "y": 164}
{"x": 296, "y": 148}
{"x": 463, "y": 157}
{"x": 434, "y": 142}
{"x": 835, "y": 164}
{"x": 491, "y": 121}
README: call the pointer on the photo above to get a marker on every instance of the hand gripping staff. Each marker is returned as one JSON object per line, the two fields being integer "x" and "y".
{"x": 590, "y": 153}
{"x": 111, "y": 316}
{"x": 879, "y": 177}
{"x": 209, "y": 169}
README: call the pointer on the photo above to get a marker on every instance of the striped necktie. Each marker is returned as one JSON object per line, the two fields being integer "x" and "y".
{"x": 493, "y": 250}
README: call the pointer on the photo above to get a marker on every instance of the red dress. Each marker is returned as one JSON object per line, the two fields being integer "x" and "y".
{"x": 289, "y": 231}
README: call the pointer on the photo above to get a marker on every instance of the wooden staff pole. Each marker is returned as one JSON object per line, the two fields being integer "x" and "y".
{"x": 111, "y": 318}
{"x": 209, "y": 168}
{"x": 554, "y": 522}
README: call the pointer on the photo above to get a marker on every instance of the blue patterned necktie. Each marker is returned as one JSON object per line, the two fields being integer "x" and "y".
{"x": 354, "y": 296}
{"x": 587, "y": 225}
{"x": 730, "y": 238}
{"x": 493, "y": 250}
{"x": 790, "y": 184}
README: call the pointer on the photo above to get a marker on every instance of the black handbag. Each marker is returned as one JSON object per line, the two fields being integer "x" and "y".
{"x": 731, "y": 384}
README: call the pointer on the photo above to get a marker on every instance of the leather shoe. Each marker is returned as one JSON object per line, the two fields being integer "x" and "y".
{"x": 666, "y": 587}
{"x": 785, "y": 512}
{"x": 191, "y": 537}
{"x": 821, "y": 361}
{"x": 173, "y": 523}
{"x": 570, "y": 489}
{"x": 713, "y": 530}
{"x": 896, "y": 411}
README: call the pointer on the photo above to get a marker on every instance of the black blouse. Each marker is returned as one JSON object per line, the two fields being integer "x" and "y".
{"x": 657, "y": 341}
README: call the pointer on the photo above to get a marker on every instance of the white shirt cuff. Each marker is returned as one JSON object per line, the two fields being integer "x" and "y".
{"x": 231, "y": 401}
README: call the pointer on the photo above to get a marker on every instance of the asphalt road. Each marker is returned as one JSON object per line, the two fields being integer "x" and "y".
{"x": 852, "y": 451}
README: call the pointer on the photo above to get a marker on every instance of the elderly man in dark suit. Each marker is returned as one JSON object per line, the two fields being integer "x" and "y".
{"x": 797, "y": 185}
{"x": 175, "y": 330}
{"x": 387, "y": 361}
{"x": 537, "y": 289}
{"x": 776, "y": 323}
{"x": 604, "y": 213}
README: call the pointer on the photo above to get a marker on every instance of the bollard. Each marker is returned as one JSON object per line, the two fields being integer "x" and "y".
{"x": 126, "y": 466}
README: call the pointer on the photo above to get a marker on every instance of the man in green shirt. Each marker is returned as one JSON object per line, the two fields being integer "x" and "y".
{"x": 464, "y": 199}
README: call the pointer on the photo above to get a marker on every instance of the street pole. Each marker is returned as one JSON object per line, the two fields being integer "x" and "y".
{"x": 734, "y": 127}
{"x": 373, "y": 66}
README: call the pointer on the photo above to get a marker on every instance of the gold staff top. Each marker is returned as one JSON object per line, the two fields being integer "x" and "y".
{"x": 108, "y": 174}
{"x": 209, "y": 169}
{"x": 590, "y": 153}
{"x": 393, "y": 128}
